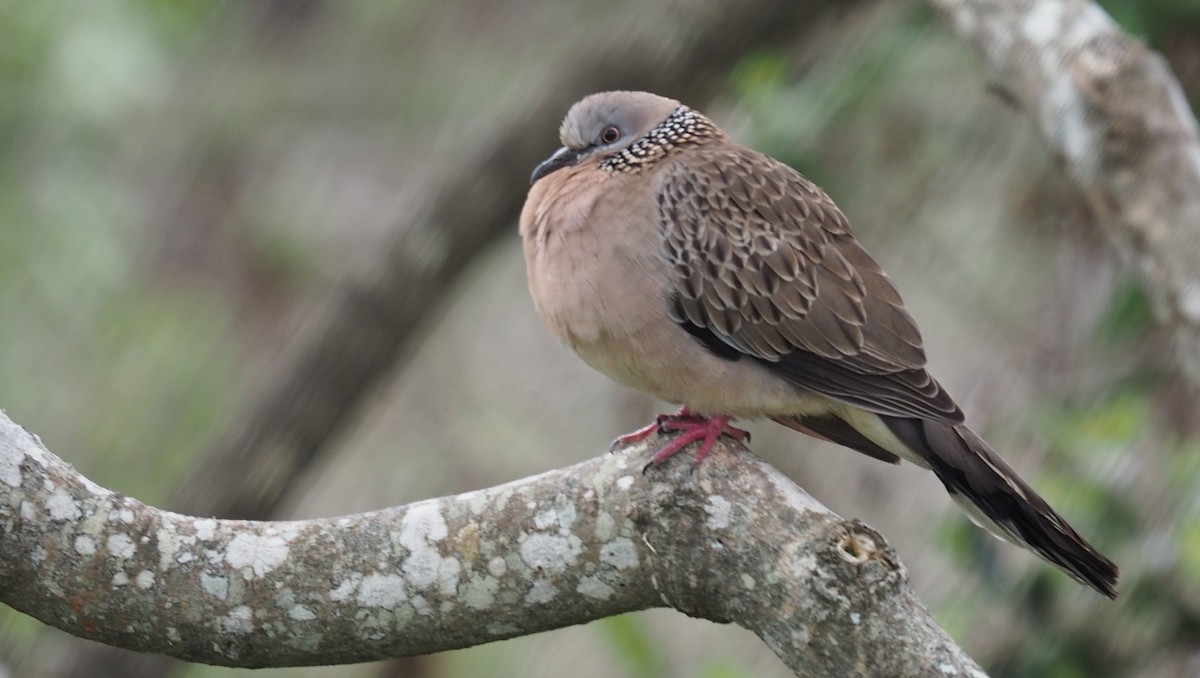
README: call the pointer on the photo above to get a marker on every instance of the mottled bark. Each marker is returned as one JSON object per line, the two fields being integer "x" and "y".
{"x": 1115, "y": 116}
{"x": 731, "y": 541}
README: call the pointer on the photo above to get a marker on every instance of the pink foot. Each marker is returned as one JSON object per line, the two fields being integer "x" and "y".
{"x": 692, "y": 427}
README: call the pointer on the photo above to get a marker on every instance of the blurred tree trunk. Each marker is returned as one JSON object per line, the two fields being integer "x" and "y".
{"x": 1115, "y": 116}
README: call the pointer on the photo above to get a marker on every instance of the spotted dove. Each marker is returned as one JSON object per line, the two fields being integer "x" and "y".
{"x": 684, "y": 265}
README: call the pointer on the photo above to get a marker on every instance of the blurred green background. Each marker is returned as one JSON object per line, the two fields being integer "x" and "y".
{"x": 181, "y": 181}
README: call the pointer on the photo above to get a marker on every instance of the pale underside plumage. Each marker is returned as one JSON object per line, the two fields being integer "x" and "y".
{"x": 710, "y": 275}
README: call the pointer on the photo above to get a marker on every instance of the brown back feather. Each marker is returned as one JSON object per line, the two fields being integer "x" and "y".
{"x": 765, "y": 260}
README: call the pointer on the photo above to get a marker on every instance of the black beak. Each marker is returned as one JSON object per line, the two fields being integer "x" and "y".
{"x": 561, "y": 158}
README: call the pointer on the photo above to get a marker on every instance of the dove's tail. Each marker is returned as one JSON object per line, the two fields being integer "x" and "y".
{"x": 997, "y": 499}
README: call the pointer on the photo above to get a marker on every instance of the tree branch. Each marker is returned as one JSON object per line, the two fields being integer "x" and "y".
{"x": 1114, "y": 114}
{"x": 730, "y": 541}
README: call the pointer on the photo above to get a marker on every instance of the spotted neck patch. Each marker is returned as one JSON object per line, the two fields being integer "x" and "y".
{"x": 683, "y": 127}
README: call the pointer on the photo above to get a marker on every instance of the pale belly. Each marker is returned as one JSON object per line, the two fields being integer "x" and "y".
{"x": 671, "y": 365}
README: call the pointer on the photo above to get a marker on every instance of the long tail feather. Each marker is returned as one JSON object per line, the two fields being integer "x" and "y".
{"x": 1000, "y": 501}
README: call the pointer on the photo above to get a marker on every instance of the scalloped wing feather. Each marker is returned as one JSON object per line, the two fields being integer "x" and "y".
{"x": 764, "y": 260}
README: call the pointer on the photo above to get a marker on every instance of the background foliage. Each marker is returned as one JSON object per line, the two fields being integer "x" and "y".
{"x": 180, "y": 181}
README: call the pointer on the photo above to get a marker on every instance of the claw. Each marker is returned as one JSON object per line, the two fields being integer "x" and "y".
{"x": 659, "y": 426}
{"x": 636, "y": 436}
